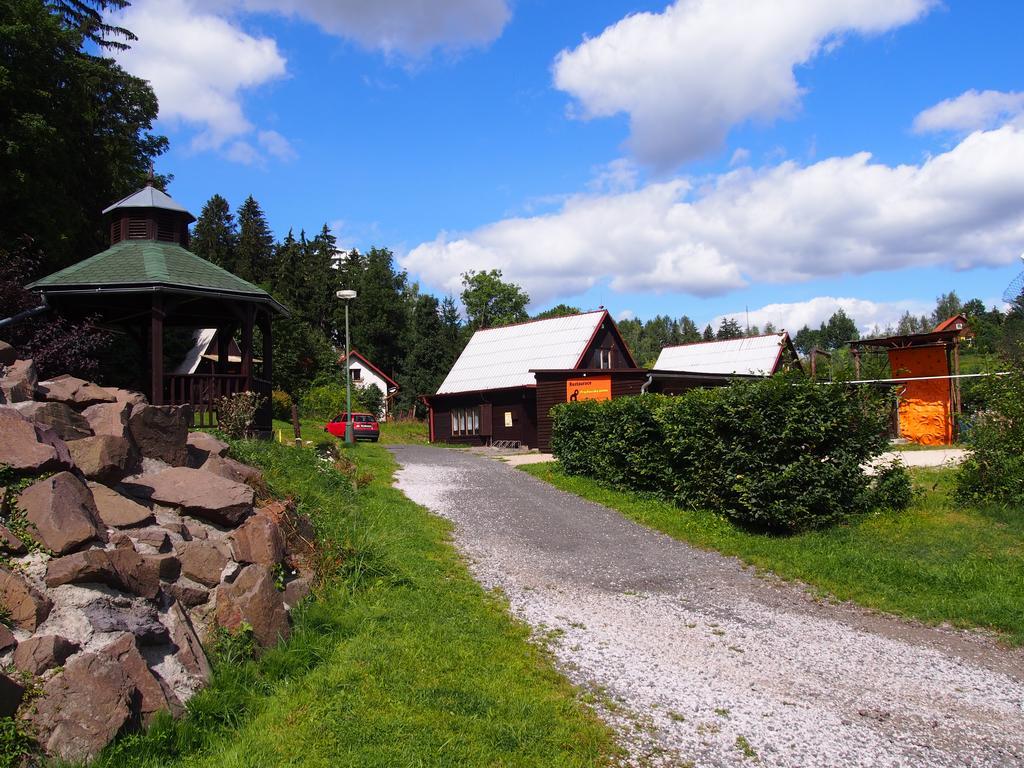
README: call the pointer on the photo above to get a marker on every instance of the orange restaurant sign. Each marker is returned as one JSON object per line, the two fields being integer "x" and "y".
{"x": 593, "y": 388}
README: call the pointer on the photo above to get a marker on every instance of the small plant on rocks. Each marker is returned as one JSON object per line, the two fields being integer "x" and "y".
{"x": 235, "y": 413}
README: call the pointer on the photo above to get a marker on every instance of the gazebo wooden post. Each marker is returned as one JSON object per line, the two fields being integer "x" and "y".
{"x": 223, "y": 347}
{"x": 156, "y": 349}
{"x": 247, "y": 324}
{"x": 266, "y": 328}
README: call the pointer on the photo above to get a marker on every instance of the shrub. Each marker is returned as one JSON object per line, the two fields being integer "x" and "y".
{"x": 891, "y": 487}
{"x": 281, "y": 405}
{"x": 372, "y": 399}
{"x": 328, "y": 400}
{"x": 780, "y": 454}
{"x": 994, "y": 470}
{"x": 235, "y": 413}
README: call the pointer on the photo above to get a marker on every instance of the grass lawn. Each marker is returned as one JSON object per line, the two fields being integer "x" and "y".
{"x": 400, "y": 660}
{"x": 937, "y": 562}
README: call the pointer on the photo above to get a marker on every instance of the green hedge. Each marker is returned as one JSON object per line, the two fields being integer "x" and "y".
{"x": 994, "y": 470}
{"x": 327, "y": 401}
{"x": 780, "y": 454}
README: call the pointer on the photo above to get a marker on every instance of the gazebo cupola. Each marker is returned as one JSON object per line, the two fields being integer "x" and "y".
{"x": 149, "y": 214}
{"x": 148, "y": 280}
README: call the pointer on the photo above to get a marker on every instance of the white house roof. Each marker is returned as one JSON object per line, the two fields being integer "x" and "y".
{"x": 496, "y": 358}
{"x": 752, "y": 356}
{"x": 202, "y": 338}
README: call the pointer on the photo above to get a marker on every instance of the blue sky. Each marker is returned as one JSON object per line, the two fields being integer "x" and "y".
{"x": 699, "y": 157}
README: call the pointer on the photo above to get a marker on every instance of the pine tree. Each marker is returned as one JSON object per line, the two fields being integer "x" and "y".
{"x": 453, "y": 333}
{"x": 729, "y": 328}
{"x": 255, "y": 243}
{"x": 379, "y": 317}
{"x": 709, "y": 333}
{"x": 285, "y": 275}
{"x": 688, "y": 331}
{"x": 423, "y": 369}
{"x": 215, "y": 236}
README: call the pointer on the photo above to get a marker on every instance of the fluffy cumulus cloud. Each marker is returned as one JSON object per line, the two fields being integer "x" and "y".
{"x": 199, "y": 65}
{"x": 686, "y": 75}
{"x": 971, "y": 111}
{"x": 783, "y": 223}
{"x": 813, "y": 312}
{"x": 411, "y": 27}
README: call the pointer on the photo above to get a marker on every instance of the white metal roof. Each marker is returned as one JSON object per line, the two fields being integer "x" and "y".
{"x": 148, "y": 197}
{"x": 754, "y": 355}
{"x": 203, "y": 337}
{"x": 502, "y": 357}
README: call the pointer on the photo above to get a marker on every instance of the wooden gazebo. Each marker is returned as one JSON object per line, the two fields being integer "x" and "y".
{"x": 148, "y": 280}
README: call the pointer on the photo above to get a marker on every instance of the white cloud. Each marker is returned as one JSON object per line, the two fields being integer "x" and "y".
{"x": 739, "y": 157}
{"x": 813, "y": 312}
{"x": 199, "y": 66}
{"x": 970, "y": 111}
{"x": 620, "y": 175}
{"x": 685, "y": 76}
{"x": 783, "y": 223}
{"x": 411, "y": 27}
{"x": 276, "y": 145}
{"x": 626, "y": 314}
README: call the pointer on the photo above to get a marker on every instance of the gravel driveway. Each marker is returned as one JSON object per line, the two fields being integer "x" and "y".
{"x": 695, "y": 659}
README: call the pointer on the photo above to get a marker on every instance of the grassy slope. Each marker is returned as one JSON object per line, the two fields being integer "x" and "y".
{"x": 936, "y": 562}
{"x": 403, "y": 661}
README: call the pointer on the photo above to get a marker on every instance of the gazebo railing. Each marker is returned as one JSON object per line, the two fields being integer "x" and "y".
{"x": 203, "y": 390}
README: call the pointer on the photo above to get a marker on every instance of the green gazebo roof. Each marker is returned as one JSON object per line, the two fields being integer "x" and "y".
{"x": 145, "y": 264}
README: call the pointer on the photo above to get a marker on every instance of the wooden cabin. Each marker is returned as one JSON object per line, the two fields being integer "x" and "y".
{"x": 507, "y": 379}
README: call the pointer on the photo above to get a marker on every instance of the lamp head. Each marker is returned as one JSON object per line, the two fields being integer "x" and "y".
{"x": 346, "y": 295}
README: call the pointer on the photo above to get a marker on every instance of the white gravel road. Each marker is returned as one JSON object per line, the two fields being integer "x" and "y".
{"x": 696, "y": 660}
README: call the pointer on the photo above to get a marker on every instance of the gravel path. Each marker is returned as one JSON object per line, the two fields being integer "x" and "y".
{"x": 694, "y": 659}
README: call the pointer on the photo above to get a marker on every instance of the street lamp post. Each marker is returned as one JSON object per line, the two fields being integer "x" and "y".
{"x": 347, "y": 296}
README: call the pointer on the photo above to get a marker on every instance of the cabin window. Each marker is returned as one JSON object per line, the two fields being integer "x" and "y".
{"x": 605, "y": 358}
{"x": 357, "y": 374}
{"x": 466, "y": 421}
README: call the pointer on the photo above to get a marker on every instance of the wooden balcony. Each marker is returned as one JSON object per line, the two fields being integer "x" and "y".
{"x": 203, "y": 390}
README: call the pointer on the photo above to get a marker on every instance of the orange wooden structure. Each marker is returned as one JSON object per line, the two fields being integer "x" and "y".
{"x": 929, "y": 401}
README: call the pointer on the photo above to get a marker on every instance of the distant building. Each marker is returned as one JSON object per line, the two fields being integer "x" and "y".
{"x": 750, "y": 356}
{"x": 364, "y": 373}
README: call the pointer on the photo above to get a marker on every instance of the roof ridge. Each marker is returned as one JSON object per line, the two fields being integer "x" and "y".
{"x": 540, "y": 320}
{"x": 719, "y": 341}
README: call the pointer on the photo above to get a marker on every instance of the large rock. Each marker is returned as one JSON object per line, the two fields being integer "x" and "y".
{"x": 154, "y": 537}
{"x": 197, "y": 493}
{"x": 253, "y": 599}
{"x": 18, "y": 383}
{"x": 167, "y": 565}
{"x": 121, "y": 568}
{"x": 43, "y": 652}
{"x": 137, "y": 617}
{"x": 161, "y": 432}
{"x": 24, "y": 449}
{"x": 7, "y": 638}
{"x": 109, "y": 418}
{"x": 228, "y": 468}
{"x": 190, "y": 651}
{"x": 201, "y": 446}
{"x": 62, "y": 510}
{"x": 11, "y": 694}
{"x": 258, "y": 540}
{"x": 203, "y": 561}
{"x": 187, "y": 592}
{"x": 74, "y": 391}
{"x": 68, "y": 423}
{"x": 7, "y": 353}
{"x": 10, "y": 542}
{"x": 26, "y": 606}
{"x": 105, "y": 458}
{"x": 117, "y": 511}
{"x": 151, "y": 698}
{"x": 296, "y": 590}
{"x": 82, "y": 710}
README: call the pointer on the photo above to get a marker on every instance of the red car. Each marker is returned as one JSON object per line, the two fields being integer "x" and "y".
{"x": 364, "y": 426}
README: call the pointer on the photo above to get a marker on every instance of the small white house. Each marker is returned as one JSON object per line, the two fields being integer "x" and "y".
{"x": 364, "y": 373}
